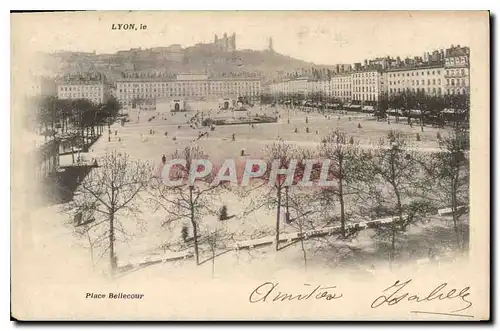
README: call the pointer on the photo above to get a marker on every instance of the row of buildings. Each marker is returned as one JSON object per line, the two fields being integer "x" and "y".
{"x": 147, "y": 91}
{"x": 438, "y": 73}
{"x": 130, "y": 91}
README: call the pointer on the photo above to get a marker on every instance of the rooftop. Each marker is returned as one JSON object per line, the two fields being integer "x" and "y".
{"x": 160, "y": 79}
{"x": 418, "y": 67}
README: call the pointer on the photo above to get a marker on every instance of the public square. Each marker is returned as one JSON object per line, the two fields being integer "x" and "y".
{"x": 150, "y": 134}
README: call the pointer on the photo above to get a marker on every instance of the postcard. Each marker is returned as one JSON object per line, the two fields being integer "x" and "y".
{"x": 250, "y": 165}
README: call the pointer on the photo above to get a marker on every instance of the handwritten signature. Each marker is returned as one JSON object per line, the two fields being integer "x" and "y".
{"x": 398, "y": 292}
{"x": 268, "y": 290}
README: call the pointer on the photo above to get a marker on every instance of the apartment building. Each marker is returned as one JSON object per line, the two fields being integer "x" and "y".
{"x": 367, "y": 85}
{"x": 341, "y": 87}
{"x": 456, "y": 65}
{"x": 96, "y": 91}
{"x": 186, "y": 86}
{"x": 427, "y": 79}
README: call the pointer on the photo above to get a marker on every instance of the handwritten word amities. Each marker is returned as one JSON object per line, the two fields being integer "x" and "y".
{"x": 268, "y": 291}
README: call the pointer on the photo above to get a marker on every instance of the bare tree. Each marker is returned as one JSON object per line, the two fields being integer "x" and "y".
{"x": 448, "y": 178}
{"x": 217, "y": 237}
{"x": 304, "y": 206}
{"x": 348, "y": 170}
{"x": 280, "y": 154}
{"x": 187, "y": 201}
{"x": 395, "y": 172}
{"x": 107, "y": 193}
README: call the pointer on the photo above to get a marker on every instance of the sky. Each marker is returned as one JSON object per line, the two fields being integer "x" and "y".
{"x": 319, "y": 37}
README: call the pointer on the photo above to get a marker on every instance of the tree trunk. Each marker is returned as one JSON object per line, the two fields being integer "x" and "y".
{"x": 195, "y": 228}
{"x": 304, "y": 253}
{"x": 112, "y": 256}
{"x": 91, "y": 247}
{"x": 287, "y": 206}
{"x": 213, "y": 263}
{"x": 393, "y": 227}
{"x": 341, "y": 198}
{"x": 278, "y": 211}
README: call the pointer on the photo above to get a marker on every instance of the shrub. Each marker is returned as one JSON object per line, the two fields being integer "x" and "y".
{"x": 223, "y": 213}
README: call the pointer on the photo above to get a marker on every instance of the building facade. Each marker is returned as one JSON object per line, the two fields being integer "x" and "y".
{"x": 341, "y": 87}
{"x": 368, "y": 85}
{"x": 437, "y": 73}
{"x": 226, "y": 43}
{"x": 131, "y": 91}
{"x": 456, "y": 65}
{"x": 42, "y": 86}
{"x": 96, "y": 91}
{"x": 429, "y": 80}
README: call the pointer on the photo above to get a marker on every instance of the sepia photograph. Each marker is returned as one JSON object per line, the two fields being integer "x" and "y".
{"x": 250, "y": 165}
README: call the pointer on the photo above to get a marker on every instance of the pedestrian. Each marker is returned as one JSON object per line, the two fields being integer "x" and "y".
{"x": 164, "y": 159}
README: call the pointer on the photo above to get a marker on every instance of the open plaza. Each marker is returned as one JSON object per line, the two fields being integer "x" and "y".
{"x": 149, "y": 135}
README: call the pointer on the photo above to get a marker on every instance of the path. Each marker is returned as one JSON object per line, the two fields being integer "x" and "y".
{"x": 288, "y": 238}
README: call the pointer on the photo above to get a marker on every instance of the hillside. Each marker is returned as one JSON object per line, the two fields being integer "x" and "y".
{"x": 199, "y": 58}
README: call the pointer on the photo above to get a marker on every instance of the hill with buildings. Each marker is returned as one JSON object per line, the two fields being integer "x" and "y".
{"x": 220, "y": 58}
